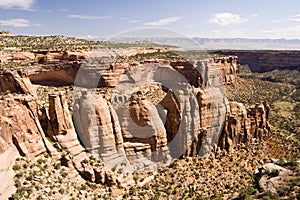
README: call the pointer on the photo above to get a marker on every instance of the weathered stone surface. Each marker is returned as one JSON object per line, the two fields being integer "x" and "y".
{"x": 182, "y": 123}
{"x": 15, "y": 82}
{"x": 237, "y": 127}
{"x": 212, "y": 112}
{"x": 6, "y": 172}
{"x": 53, "y": 74}
{"x": 20, "y": 126}
{"x": 3, "y": 58}
{"x": 143, "y": 133}
{"x": 173, "y": 116}
{"x": 21, "y": 56}
{"x": 99, "y": 129}
{"x": 20, "y": 134}
{"x": 140, "y": 123}
{"x": 259, "y": 120}
{"x": 271, "y": 177}
{"x": 228, "y": 68}
{"x": 242, "y": 125}
{"x": 66, "y": 136}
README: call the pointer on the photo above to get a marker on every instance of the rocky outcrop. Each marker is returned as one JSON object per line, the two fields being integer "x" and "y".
{"x": 20, "y": 135}
{"x": 66, "y": 136}
{"x": 209, "y": 72}
{"x": 15, "y": 82}
{"x": 141, "y": 124}
{"x": 212, "y": 111}
{"x": 21, "y": 56}
{"x": 228, "y": 68}
{"x": 259, "y": 120}
{"x": 99, "y": 129}
{"x": 128, "y": 132}
{"x": 20, "y": 126}
{"x": 182, "y": 121}
{"x": 237, "y": 127}
{"x": 3, "y": 58}
{"x": 242, "y": 125}
{"x": 270, "y": 177}
{"x": 57, "y": 57}
{"x": 53, "y": 74}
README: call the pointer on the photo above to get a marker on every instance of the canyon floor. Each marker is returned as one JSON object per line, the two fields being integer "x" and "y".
{"x": 257, "y": 169}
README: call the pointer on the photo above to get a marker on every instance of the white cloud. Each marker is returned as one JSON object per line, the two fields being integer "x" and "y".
{"x": 134, "y": 21}
{"x": 19, "y": 4}
{"x": 225, "y": 19}
{"x": 162, "y": 22}
{"x": 19, "y": 22}
{"x": 277, "y": 21}
{"x": 295, "y": 18}
{"x": 131, "y": 20}
{"x": 88, "y": 17}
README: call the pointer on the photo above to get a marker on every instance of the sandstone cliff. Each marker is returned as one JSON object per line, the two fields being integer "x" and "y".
{"x": 128, "y": 131}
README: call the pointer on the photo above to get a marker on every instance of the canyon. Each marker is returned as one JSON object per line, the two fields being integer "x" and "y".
{"x": 129, "y": 112}
{"x": 266, "y": 60}
{"x": 151, "y": 112}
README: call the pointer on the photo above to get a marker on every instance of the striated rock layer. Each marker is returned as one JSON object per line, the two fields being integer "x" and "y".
{"x": 98, "y": 128}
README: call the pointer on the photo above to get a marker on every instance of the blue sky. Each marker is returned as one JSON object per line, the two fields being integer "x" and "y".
{"x": 193, "y": 18}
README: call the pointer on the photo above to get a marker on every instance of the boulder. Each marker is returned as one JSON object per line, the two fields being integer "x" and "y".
{"x": 271, "y": 177}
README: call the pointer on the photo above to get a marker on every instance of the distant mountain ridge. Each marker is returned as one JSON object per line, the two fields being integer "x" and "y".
{"x": 247, "y": 43}
{"x": 220, "y": 43}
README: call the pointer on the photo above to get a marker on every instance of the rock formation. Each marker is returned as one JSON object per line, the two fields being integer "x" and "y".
{"x": 15, "y": 82}
{"x": 99, "y": 129}
{"x": 142, "y": 129}
{"x": 20, "y": 135}
{"x": 129, "y": 131}
{"x": 212, "y": 110}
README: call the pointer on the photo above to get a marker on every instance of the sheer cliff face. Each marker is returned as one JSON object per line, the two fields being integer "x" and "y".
{"x": 98, "y": 128}
{"x": 20, "y": 126}
{"x": 62, "y": 68}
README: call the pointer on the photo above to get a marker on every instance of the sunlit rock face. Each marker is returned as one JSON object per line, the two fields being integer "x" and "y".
{"x": 98, "y": 128}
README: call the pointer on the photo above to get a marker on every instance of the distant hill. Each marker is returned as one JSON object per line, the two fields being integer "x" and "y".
{"x": 220, "y": 43}
{"x": 249, "y": 44}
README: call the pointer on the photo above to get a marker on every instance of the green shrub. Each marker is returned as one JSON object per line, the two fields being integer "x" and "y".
{"x": 16, "y": 167}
